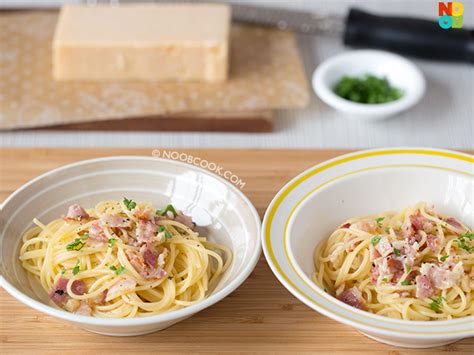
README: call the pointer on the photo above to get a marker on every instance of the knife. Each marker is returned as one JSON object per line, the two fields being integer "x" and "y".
{"x": 411, "y": 36}
{"x": 416, "y": 37}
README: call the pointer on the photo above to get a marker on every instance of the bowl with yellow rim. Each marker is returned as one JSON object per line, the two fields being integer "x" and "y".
{"x": 312, "y": 205}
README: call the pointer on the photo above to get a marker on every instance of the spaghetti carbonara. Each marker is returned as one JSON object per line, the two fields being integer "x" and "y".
{"x": 413, "y": 265}
{"x": 123, "y": 259}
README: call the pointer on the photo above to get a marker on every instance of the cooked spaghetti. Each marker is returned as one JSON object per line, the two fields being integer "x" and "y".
{"x": 123, "y": 259}
{"x": 412, "y": 265}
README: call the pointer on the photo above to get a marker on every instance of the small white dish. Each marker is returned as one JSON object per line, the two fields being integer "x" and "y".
{"x": 307, "y": 209}
{"x": 400, "y": 72}
{"x": 216, "y": 206}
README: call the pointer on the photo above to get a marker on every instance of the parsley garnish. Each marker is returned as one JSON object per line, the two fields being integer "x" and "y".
{"x": 463, "y": 242}
{"x": 85, "y": 236}
{"x": 76, "y": 270}
{"x": 167, "y": 209}
{"x": 119, "y": 270}
{"x": 76, "y": 245}
{"x": 444, "y": 257}
{"x": 367, "y": 89}
{"x": 112, "y": 241}
{"x": 396, "y": 251}
{"x": 375, "y": 240}
{"x": 130, "y": 204}
{"x": 437, "y": 303}
{"x": 407, "y": 268}
{"x": 379, "y": 219}
{"x": 406, "y": 282}
{"x": 385, "y": 279}
{"x": 63, "y": 271}
{"x": 167, "y": 234}
{"x": 468, "y": 235}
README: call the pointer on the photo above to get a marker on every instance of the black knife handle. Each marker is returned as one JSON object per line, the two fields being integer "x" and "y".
{"x": 416, "y": 37}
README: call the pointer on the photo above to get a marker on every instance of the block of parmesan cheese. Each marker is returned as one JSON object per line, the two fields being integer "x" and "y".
{"x": 162, "y": 42}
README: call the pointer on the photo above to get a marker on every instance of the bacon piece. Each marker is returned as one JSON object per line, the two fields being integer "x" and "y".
{"x": 146, "y": 231}
{"x": 424, "y": 287}
{"x": 75, "y": 211}
{"x": 77, "y": 287}
{"x": 352, "y": 297}
{"x": 417, "y": 221}
{"x": 114, "y": 221}
{"x": 96, "y": 233}
{"x": 149, "y": 256}
{"x": 374, "y": 254}
{"x": 454, "y": 222}
{"x": 375, "y": 273}
{"x": 369, "y": 226}
{"x": 158, "y": 273}
{"x": 84, "y": 309}
{"x": 121, "y": 287}
{"x": 432, "y": 241}
{"x": 186, "y": 220}
{"x": 394, "y": 265}
{"x": 144, "y": 214}
{"x": 405, "y": 294}
{"x": 384, "y": 247}
{"x": 408, "y": 232}
{"x": 138, "y": 262}
{"x": 59, "y": 292}
{"x": 98, "y": 300}
{"x": 347, "y": 225}
{"x": 445, "y": 276}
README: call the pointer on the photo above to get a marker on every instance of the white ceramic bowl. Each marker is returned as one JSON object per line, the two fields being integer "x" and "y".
{"x": 313, "y": 204}
{"x": 217, "y": 207}
{"x": 400, "y": 72}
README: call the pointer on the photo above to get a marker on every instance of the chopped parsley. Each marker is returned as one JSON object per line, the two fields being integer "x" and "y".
{"x": 167, "y": 234}
{"x": 437, "y": 303}
{"x": 167, "y": 209}
{"x": 407, "y": 268}
{"x": 463, "y": 243}
{"x": 118, "y": 271}
{"x": 84, "y": 236}
{"x": 375, "y": 240}
{"x": 76, "y": 269}
{"x": 385, "y": 279}
{"x": 130, "y": 204}
{"x": 379, "y": 219}
{"x": 63, "y": 271}
{"x": 76, "y": 245}
{"x": 406, "y": 282}
{"x": 112, "y": 242}
{"x": 444, "y": 257}
{"x": 367, "y": 89}
{"x": 468, "y": 235}
{"x": 396, "y": 251}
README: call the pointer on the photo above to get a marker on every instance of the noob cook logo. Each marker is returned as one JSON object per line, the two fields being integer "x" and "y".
{"x": 450, "y": 14}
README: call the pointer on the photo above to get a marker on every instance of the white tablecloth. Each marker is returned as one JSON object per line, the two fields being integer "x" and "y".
{"x": 444, "y": 118}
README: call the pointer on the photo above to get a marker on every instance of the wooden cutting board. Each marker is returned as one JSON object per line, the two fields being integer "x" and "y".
{"x": 260, "y": 316}
{"x": 266, "y": 74}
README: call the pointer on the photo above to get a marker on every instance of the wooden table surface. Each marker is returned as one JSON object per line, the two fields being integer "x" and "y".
{"x": 260, "y": 316}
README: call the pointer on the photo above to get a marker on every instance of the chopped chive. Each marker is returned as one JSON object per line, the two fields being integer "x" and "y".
{"x": 379, "y": 219}
{"x": 112, "y": 242}
{"x": 396, "y": 251}
{"x": 406, "y": 282}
